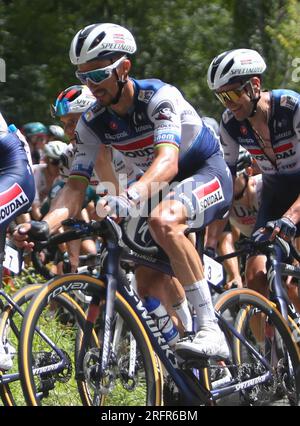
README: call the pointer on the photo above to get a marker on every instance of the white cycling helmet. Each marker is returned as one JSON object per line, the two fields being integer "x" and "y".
{"x": 54, "y": 149}
{"x": 99, "y": 41}
{"x": 74, "y": 99}
{"x": 234, "y": 65}
{"x": 56, "y": 132}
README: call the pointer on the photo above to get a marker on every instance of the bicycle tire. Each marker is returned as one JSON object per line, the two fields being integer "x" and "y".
{"x": 21, "y": 297}
{"x": 90, "y": 285}
{"x": 250, "y": 302}
{"x": 24, "y": 295}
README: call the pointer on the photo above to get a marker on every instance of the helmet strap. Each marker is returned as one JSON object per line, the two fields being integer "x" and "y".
{"x": 254, "y": 100}
{"x": 121, "y": 84}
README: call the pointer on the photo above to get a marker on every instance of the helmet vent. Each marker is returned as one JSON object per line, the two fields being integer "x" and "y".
{"x": 227, "y": 68}
{"x": 98, "y": 39}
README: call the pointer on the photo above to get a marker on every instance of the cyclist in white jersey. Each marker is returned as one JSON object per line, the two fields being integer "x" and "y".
{"x": 243, "y": 214}
{"x": 45, "y": 174}
{"x": 266, "y": 123}
{"x": 151, "y": 124}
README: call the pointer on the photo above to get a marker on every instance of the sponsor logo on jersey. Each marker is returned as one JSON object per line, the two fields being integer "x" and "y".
{"x": 209, "y": 194}
{"x": 164, "y": 111}
{"x": 145, "y": 95}
{"x": 281, "y": 152}
{"x": 165, "y": 137}
{"x": 288, "y": 101}
{"x": 11, "y": 201}
{"x": 140, "y": 148}
{"x": 244, "y": 141}
{"x": 143, "y": 128}
{"x": 121, "y": 135}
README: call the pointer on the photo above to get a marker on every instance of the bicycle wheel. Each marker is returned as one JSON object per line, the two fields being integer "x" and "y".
{"x": 278, "y": 346}
{"x": 143, "y": 388}
{"x": 10, "y": 325}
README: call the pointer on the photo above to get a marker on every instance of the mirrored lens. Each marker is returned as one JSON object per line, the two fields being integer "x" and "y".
{"x": 231, "y": 95}
{"x": 96, "y": 76}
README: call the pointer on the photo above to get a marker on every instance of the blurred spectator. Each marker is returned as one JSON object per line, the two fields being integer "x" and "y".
{"x": 36, "y": 134}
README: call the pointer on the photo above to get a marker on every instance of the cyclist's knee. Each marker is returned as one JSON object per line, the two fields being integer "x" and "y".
{"x": 166, "y": 230}
{"x": 256, "y": 278}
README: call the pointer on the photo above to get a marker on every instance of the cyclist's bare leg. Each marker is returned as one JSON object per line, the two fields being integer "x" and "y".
{"x": 256, "y": 279}
{"x": 167, "y": 225}
{"x": 293, "y": 293}
{"x": 226, "y": 245}
{"x": 165, "y": 288}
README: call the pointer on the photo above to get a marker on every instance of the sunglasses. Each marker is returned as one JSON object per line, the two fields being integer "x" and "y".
{"x": 100, "y": 74}
{"x": 231, "y": 95}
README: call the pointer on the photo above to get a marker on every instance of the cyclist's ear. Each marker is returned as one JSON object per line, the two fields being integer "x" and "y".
{"x": 126, "y": 67}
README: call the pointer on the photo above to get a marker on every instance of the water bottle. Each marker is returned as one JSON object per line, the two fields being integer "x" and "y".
{"x": 165, "y": 323}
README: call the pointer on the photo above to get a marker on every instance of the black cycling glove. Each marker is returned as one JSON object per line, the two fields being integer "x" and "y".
{"x": 287, "y": 228}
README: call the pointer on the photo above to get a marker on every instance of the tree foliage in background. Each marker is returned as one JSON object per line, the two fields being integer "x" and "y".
{"x": 176, "y": 40}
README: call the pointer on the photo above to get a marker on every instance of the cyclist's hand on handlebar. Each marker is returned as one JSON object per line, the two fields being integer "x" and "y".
{"x": 283, "y": 227}
{"x": 20, "y": 236}
{"x": 117, "y": 206}
{"x": 36, "y": 230}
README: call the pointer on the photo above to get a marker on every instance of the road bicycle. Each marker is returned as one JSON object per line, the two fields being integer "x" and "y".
{"x": 107, "y": 369}
{"x": 279, "y": 258}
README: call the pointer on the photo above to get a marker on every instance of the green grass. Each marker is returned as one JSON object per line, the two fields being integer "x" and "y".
{"x": 64, "y": 334}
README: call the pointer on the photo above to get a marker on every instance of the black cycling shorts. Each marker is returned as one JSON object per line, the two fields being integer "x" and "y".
{"x": 278, "y": 194}
{"x": 207, "y": 196}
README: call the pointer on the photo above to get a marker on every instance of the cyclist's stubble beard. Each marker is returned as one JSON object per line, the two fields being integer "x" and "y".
{"x": 104, "y": 97}
{"x": 243, "y": 112}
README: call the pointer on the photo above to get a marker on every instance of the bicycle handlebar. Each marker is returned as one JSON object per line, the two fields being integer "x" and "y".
{"x": 107, "y": 229}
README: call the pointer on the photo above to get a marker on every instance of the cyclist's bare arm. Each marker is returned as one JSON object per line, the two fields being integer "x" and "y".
{"x": 67, "y": 204}
{"x": 162, "y": 170}
{"x": 104, "y": 169}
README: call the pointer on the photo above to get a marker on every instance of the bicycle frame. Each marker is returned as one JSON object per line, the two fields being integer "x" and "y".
{"x": 116, "y": 281}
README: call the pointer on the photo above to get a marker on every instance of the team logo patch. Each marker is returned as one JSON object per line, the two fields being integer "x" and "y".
{"x": 244, "y": 130}
{"x": 113, "y": 125}
{"x": 145, "y": 95}
{"x": 209, "y": 194}
{"x": 11, "y": 201}
{"x": 164, "y": 111}
{"x": 288, "y": 101}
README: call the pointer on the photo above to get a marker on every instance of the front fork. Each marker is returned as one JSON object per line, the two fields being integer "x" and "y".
{"x": 111, "y": 269}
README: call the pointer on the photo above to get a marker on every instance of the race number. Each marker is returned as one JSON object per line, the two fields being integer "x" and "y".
{"x": 12, "y": 260}
{"x": 213, "y": 271}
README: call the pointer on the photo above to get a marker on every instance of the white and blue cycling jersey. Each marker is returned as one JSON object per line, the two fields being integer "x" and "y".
{"x": 159, "y": 116}
{"x": 284, "y": 127}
